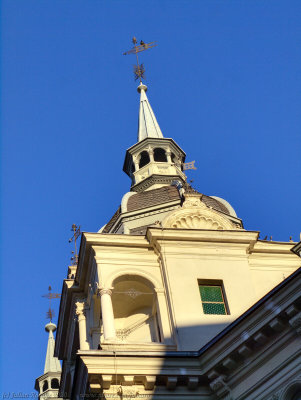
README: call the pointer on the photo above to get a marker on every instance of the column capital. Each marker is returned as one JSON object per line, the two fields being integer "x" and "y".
{"x": 80, "y": 309}
{"x": 102, "y": 291}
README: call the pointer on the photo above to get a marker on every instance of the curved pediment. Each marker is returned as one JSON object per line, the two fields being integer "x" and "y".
{"x": 195, "y": 215}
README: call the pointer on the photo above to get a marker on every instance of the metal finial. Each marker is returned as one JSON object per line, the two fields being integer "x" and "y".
{"x": 76, "y": 233}
{"x": 139, "y": 69}
{"x": 50, "y": 296}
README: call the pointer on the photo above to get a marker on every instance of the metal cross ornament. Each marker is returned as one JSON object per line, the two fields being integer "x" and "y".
{"x": 139, "y": 69}
{"x": 50, "y": 296}
{"x": 76, "y": 233}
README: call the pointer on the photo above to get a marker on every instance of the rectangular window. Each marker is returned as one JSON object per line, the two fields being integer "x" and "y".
{"x": 213, "y": 300}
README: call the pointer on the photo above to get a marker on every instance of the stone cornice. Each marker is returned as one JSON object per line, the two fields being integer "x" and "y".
{"x": 199, "y": 235}
{"x": 297, "y": 249}
{"x": 154, "y": 141}
{"x": 272, "y": 247}
{"x": 103, "y": 239}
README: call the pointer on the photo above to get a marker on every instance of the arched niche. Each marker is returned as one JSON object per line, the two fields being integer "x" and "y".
{"x": 160, "y": 155}
{"x": 135, "y": 310}
{"x": 143, "y": 159}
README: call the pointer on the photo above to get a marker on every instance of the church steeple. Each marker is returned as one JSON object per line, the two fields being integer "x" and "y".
{"x": 154, "y": 161}
{"x": 48, "y": 384}
{"x": 148, "y": 125}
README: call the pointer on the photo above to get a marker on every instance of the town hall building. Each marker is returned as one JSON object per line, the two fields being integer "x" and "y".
{"x": 173, "y": 298}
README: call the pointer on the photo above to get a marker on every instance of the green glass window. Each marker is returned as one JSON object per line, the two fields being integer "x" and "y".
{"x": 212, "y": 299}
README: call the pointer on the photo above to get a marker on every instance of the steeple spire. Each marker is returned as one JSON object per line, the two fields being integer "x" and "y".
{"x": 148, "y": 126}
{"x": 48, "y": 384}
{"x": 52, "y": 363}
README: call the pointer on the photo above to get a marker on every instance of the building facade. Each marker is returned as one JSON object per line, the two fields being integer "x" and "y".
{"x": 173, "y": 298}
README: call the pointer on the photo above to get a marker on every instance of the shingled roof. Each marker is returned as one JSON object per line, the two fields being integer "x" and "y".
{"x": 112, "y": 221}
{"x": 165, "y": 194}
{"x": 154, "y": 197}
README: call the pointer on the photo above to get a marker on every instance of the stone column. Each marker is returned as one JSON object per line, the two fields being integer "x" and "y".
{"x": 107, "y": 314}
{"x": 168, "y": 155}
{"x": 151, "y": 154}
{"x": 136, "y": 163}
{"x": 81, "y": 317}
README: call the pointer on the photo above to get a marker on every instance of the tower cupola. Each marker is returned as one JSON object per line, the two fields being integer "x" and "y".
{"x": 154, "y": 161}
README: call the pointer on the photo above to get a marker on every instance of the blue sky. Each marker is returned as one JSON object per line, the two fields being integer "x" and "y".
{"x": 224, "y": 83}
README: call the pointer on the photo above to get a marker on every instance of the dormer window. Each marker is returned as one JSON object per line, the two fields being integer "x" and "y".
{"x": 160, "y": 155}
{"x": 144, "y": 159}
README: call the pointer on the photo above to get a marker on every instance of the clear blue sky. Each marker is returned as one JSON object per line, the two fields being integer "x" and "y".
{"x": 224, "y": 82}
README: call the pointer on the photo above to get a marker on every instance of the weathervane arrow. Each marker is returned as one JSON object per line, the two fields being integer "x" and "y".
{"x": 139, "y": 69}
{"x": 50, "y": 296}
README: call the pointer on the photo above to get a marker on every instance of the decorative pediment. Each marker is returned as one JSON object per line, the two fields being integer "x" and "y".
{"x": 194, "y": 214}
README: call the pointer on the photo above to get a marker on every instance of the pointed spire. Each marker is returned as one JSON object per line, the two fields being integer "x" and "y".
{"x": 148, "y": 125}
{"x": 52, "y": 363}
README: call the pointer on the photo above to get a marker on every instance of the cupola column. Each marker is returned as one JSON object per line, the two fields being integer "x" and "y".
{"x": 168, "y": 155}
{"x": 81, "y": 317}
{"x": 136, "y": 163}
{"x": 107, "y": 314}
{"x": 151, "y": 154}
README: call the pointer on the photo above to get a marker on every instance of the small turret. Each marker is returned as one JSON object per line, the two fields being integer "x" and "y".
{"x": 48, "y": 384}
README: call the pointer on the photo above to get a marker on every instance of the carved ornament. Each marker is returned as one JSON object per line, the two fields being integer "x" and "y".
{"x": 197, "y": 216}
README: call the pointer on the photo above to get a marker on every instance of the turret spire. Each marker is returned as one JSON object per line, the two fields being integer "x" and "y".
{"x": 52, "y": 363}
{"x": 148, "y": 126}
{"x": 48, "y": 384}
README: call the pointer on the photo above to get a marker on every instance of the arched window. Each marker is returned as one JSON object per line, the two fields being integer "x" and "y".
{"x": 55, "y": 383}
{"x": 144, "y": 159}
{"x": 45, "y": 386}
{"x": 173, "y": 158}
{"x": 160, "y": 155}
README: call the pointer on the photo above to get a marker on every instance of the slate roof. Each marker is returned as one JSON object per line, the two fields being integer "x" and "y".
{"x": 112, "y": 221}
{"x": 154, "y": 197}
{"x": 165, "y": 194}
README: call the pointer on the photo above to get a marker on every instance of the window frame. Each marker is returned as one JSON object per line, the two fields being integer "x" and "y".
{"x": 217, "y": 283}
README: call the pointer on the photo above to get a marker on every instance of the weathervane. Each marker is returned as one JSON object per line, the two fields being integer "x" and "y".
{"x": 50, "y": 296}
{"x": 139, "y": 69}
{"x": 189, "y": 165}
{"x": 76, "y": 233}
